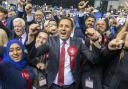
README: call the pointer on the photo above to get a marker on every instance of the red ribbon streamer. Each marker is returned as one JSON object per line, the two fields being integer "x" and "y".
{"x": 26, "y": 76}
{"x": 72, "y": 51}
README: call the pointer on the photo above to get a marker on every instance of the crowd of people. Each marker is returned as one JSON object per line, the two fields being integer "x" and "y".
{"x": 62, "y": 50}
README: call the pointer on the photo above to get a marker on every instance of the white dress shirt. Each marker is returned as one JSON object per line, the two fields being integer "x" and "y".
{"x": 30, "y": 18}
{"x": 68, "y": 77}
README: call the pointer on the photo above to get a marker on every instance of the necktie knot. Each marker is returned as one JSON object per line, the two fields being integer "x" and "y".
{"x": 64, "y": 42}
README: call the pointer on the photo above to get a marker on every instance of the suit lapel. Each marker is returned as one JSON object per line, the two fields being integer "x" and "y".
{"x": 57, "y": 45}
{"x": 71, "y": 41}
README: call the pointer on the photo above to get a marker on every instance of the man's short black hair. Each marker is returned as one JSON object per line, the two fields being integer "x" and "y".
{"x": 91, "y": 16}
{"x": 68, "y": 18}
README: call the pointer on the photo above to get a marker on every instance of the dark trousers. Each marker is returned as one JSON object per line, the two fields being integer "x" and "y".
{"x": 72, "y": 86}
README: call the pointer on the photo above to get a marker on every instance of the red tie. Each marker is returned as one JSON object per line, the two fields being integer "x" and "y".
{"x": 61, "y": 65}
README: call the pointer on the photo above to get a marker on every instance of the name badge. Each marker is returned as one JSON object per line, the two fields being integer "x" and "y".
{"x": 33, "y": 87}
{"x": 42, "y": 82}
{"x": 88, "y": 83}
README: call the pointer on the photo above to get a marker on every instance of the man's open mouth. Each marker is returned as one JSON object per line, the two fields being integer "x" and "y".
{"x": 63, "y": 33}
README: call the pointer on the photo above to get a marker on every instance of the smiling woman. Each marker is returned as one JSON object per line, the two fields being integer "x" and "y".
{"x": 14, "y": 64}
{"x": 15, "y": 52}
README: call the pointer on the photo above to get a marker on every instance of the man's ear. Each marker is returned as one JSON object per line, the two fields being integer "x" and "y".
{"x": 72, "y": 30}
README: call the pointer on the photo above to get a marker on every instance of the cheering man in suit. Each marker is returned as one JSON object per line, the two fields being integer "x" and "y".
{"x": 64, "y": 57}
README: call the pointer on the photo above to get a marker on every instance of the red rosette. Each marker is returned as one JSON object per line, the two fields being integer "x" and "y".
{"x": 72, "y": 51}
{"x": 26, "y": 76}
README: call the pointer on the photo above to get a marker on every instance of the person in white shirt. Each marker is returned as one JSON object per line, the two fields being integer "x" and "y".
{"x": 19, "y": 29}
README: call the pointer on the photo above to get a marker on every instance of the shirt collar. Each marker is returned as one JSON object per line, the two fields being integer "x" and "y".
{"x": 67, "y": 41}
{"x": 24, "y": 35}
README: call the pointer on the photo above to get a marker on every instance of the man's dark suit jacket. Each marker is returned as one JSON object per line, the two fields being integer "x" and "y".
{"x": 53, "y": 49}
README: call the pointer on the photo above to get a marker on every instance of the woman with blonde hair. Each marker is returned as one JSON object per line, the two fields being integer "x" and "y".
{"x": 3, "y": 37}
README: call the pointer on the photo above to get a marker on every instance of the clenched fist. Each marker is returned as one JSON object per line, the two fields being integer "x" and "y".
{"x": 93, "y": 34}
{"x": 82, "y": 4}
{"x": 34, "y": 29}
{"x": 21, "y": 3}
{"x": 28, "y": 8}
{"x": 115, "y": 44}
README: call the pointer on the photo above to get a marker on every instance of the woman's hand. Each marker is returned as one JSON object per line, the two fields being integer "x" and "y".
{"x": 41, "y": 66}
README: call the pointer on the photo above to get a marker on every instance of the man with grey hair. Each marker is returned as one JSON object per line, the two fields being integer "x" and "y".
{"x": 19, "y": 29}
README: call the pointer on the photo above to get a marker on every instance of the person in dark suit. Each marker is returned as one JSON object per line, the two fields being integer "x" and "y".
{"x": 89, "y": 22}
{"x": 115, "y": 76}
{"x": 38, "y": 17}
{"x": 5, "y": 23}
{"x": 92, "y": 73}
{"x": 19, "y": 31}
{"x": 41, "y": 39}
{"x": 64, "y": 57}
{"x": 3, "y": 15}
{"x": 9, "y": 33}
